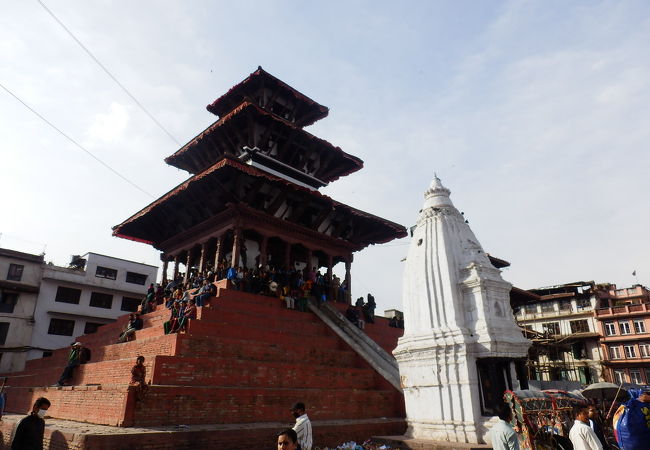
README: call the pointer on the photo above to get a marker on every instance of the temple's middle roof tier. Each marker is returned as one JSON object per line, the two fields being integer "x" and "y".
{"x": 249, "y": 125}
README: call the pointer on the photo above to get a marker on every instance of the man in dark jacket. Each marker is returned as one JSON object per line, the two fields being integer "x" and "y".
{"x": 30, "y": 430}
{"x": 74, "y": 359}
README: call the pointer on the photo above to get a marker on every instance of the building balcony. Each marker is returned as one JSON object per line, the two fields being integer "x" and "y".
{"x": 639, "y": 309}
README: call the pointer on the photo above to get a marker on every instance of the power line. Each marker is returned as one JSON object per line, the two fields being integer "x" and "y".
{"x": 94, "y": 58}
{"x": 75, "y": 142}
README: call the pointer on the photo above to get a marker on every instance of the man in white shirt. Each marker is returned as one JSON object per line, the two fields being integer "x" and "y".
{"x": 581, "y": 435}
{"x": 502, "y": 435}
{"x": 302, "y": 426}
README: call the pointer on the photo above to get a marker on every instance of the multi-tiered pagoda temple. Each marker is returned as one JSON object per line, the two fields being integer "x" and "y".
{"x": 253, "y": 195}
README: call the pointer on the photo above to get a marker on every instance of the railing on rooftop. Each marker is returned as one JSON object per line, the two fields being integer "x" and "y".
{"x": 625, "y": 309}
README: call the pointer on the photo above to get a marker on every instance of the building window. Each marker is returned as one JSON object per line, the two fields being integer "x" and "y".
{"x": 548, "y": 307}
{"x": 90, "y": 327}
{"x": 15, "y": 272}
{"x": 530, "y": 309}
{"x": 639, "y": 326}
{"x": 4, "y": 329}
{"x": 61, "y": 327}
{"x": 105, "y": 272}
{"x": 101, "y": 300}
{"x": 8, "y": 301}
{"x": 583, "y": 303}
{"x": 614, "y": 352}
{"x": 130, "y": 304}
{"x": 619, "y": 377}
{"x": 610, "y": 329}
{"x": 67, "y": 295}
{"x": 551, "y": 327}
{"x": 644, "y": 350}
{"x": 625, "y": 327}
{"x": 136, "y": 278}
{"x": 635, "y": 377}
{"x": 579, "y": 326}
{"x": 565, "y": 305}
{"x": 630, "y": 352}
{"x": 647, "y": 376}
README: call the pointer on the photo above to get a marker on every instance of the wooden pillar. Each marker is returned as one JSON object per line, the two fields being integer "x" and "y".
{"x": 176, "y": 262}
{"x": 331, "y": 295}
{"x": 348, "y": 278}
{"x": 164, "y": 270}
{"x": 309, "y": 258}
{"x": 263, "y": 245}
{"x": 202, "y": 258}
{"x": 217, "y": 253}
{"x": 330, "y": 263}
{"x": 188, "y": 263}
{"x": 236, "y": 247}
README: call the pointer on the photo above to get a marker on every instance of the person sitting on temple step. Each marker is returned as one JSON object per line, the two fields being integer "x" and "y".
{"x": 369, "y": 309}
{"x": 135, "y": 323}
{"x": 207, "y": 290}
{"x": 74, "y": 359}
{"x": 188, "y": 313}
{"x": 138, "y": 374}
{"x": 352, "y": 315}
{"x": 173, "y": 319}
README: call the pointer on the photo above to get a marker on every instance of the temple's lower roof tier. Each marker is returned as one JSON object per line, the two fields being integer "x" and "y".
{"x": 230, "y": 186}
{"x": 249, "y": 125}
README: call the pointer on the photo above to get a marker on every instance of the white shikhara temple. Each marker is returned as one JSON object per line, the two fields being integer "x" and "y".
{"x": 461, "y": 347}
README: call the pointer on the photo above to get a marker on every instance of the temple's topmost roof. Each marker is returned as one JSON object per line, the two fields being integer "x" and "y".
{"x": 273, "y": 95}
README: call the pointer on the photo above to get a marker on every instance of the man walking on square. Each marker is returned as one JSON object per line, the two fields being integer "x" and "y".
{"x": 302, "y": 426}
{"x": 581, "y": 435}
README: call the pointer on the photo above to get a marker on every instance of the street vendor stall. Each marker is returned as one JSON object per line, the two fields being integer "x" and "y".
{"x": 542, "y": 419}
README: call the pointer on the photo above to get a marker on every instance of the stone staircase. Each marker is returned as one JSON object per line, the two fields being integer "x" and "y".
{"x": 244, "y": 360}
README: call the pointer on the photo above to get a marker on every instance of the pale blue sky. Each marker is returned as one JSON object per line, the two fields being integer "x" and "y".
{"x": 534, "y": 114}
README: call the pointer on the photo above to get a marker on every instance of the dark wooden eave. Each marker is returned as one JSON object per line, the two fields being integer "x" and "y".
{"x": 205, "y": 196}
{"x": 280, "y": 139}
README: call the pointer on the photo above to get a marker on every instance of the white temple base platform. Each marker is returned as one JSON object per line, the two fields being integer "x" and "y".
{"x": 406, "y": 443}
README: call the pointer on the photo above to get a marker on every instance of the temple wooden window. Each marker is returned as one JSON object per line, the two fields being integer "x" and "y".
{"x": 67, "y": 295}
{"x": 579, "y": 326}
{"x": 136, "y": 278}
{"x": 15, "y": 272}
{"x": 61, "y": 327}
{"x": 101, "y": 300}
{"x": 551, "y": 328}
{"x": 8, "y": 301}
{"x": 105, "y": 272}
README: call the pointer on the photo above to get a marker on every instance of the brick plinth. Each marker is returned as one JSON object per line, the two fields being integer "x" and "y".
{"x": 241, "y": 363}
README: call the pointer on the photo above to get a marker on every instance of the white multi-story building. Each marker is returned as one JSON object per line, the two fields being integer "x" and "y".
{"x": 75, "y": 300}
{"x": 560, "y": 322}
{"x": 20, "y": 277}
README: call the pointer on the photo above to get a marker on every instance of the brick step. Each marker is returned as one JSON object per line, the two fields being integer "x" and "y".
{"x": 327, "y": 433}
{"x": 297, "y": 322}
{"x": 249, "y": 310}
{"x": 246, "y": 332}
{"x": 226, "y": 347}
{"x": 174, "y": 370}
{"x": 109, "y": 333}
{"x": 93, "y": 404}
{"x": 269, "y": 306}
{"x": 50, "y": 369}
{"x": 170, "y": 405}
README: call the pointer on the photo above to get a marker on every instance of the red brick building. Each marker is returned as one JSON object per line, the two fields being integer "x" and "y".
{"x": 623, "y": 317}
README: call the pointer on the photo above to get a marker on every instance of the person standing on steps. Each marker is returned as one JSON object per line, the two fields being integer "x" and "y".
{"x": 302, "y": 426}
{"x": 30, "y": 430}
